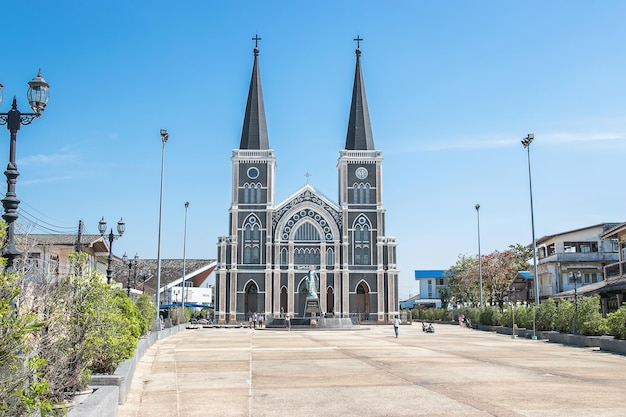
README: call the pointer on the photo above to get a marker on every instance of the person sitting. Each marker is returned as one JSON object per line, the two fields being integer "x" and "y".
{"x": 424, "y": 327}
{"x": 430, "y": 329}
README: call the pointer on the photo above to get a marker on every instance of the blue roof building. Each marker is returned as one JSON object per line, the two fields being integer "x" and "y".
{"x": 430, "y": 280}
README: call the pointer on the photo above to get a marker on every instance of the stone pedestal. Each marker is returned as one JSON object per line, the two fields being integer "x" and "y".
{"x": 312, "y": 306}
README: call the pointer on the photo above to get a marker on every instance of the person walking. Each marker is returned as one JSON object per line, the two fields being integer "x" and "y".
{"x": 288, "y": 321}
{"x": 396, "y": 324}
{"x": 260, "y": 317}
{"x": 254, "y": 319}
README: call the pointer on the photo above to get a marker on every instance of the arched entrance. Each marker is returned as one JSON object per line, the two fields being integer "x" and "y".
{"x": 283, "y": 300}
{"x": 252, "y": 298}
{"x": 301, "y": 298}
{"x": 362, "y": 301}
{"x": 330, "y": 300}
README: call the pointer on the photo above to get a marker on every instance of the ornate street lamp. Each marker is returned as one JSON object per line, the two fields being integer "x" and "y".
{"x": 131, "y": 263}
{"x": 575, "y": 277}
{"x": 37, "y": 99}
{"x": 102, "y": 228}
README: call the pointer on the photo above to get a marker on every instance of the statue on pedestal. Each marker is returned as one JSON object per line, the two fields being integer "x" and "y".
{"x": 312, "y": 284}
{"x": 312, "y": 300}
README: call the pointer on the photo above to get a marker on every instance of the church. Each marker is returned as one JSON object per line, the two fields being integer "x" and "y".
{"x": 263, "y": 264}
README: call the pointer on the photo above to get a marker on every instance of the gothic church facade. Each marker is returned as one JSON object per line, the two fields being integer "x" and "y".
{"x": 263, "y": 263}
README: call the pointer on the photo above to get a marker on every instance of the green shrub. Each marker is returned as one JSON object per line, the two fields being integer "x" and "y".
{"x": 491, "y": 316}
{"x": 23, "y": 391}
{"x": 546, "y": 315}
{"x": 474, "y": 315}
{"x": 617, "y": 323}
{"x": 588, "y": 318}
{"x": 564, "y": 317}
{"x": 115, "y": 339}
{"x": 524, "y": 316}
{"x": 147, "y": 311}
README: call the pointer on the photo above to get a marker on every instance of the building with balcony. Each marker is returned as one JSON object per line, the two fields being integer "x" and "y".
{"x": 561, "y": 256}
{"x": 431, "y": 282}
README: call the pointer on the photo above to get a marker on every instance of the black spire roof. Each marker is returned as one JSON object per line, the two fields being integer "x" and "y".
{"x": 254, "y": 134}
{"x": 359, "y": 128}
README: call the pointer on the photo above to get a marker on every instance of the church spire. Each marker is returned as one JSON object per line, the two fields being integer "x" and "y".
{"x": 359, "y": 128}
{"x": 254, "y": 133}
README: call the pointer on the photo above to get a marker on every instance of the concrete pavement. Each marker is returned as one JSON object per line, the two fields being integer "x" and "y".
{"x": 368, "y": 372}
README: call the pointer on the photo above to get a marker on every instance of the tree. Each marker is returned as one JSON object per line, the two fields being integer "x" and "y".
{"x": 22, "y": 389}
{"x": 499, "y": 271}
{"x": 463, "y": 280}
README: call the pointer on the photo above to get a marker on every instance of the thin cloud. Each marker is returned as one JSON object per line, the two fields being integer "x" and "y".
{"x": 50, "y": 159}
{"x": 583, "y": 137}
{"x": 493, "y": 143}
{"x": 46, "y": 180}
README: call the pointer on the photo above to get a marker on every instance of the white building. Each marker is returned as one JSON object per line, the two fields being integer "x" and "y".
{"x": 561, "y": 256}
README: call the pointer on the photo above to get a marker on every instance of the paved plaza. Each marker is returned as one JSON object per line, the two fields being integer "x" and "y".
{"x": 368, "y": 372}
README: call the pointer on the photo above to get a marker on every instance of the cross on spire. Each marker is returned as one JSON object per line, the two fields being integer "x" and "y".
{"x": 307, "y": 175}
{"x": 358, "y": 40}
{"x": 256, "y": 40}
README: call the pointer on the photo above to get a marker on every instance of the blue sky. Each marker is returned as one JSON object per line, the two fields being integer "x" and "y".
{"x": 452, "y": 87}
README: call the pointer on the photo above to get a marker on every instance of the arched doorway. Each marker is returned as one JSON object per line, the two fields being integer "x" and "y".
{"x": 330, "y": 301}
{"x": 283, "y": 300}
{"x": 301, "y": 298}
{"x": 252, "y": 298}
{"x": 362, "y": 301}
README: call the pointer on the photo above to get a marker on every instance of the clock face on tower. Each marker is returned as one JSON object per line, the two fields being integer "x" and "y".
{"x": 253, "y": 173}
{"x": 361, "y": 173}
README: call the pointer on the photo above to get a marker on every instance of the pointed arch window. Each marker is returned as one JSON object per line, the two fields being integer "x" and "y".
{"x": 330, "y": 258}
{"x": 307, "y": 232}
{"x": 252, "y": 193}
{"x": 246, "y": 193}
{"x": 361, "y": 241}
{"x": 361, "y": 193}
{"x": 306, "y": 256}
{"x": 283, "y": 256}
{"x": 252, "y": 241}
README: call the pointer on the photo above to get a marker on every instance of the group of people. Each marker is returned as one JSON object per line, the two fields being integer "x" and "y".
{"x": 255, "y": 320}
{"x": 425, "y": 328}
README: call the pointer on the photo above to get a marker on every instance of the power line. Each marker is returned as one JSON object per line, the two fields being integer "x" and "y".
{"x": 38, "y": 223}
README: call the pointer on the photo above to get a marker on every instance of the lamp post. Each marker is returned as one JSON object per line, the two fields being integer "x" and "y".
{"x": 131, "y": 263}
{"x": 102, "y": 228}
{"x": 575, "y": 277}
{"x": 526, "y": 143}
{"x": 37, "y": 99}
{"x": 184, "y": 254}
{"x": 480, "y": 264}
{"x": 511, "y": 299}
{"x": 157, "y": 321}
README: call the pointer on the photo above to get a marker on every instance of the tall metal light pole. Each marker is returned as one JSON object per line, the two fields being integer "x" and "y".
{"x": 526, "y": 143}
{"x": 102, "y": 228}
{"x": 480, "y": 264}
{"x": 184, "y": 254}
{"x": 157, "y": 321}
{"x": 37, "y": 99}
